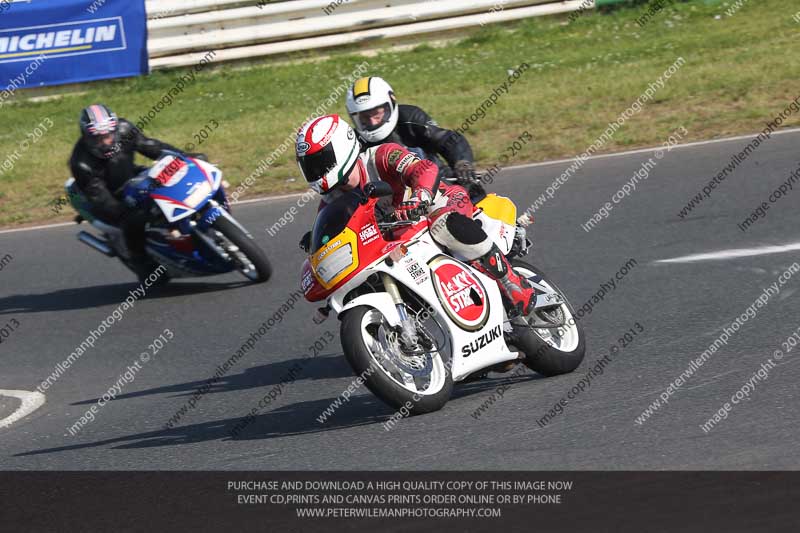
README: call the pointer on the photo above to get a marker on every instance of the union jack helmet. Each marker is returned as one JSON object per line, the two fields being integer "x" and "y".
{"x": 99, "y": 130}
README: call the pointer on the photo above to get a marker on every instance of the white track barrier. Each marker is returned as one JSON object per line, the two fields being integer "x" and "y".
{"x": 182, "y": 32}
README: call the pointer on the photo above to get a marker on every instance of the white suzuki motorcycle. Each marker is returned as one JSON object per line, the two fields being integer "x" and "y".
{"x": 414, "y": 319}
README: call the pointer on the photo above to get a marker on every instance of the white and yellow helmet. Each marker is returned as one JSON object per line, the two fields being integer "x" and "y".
{"x": 367, "y": 94}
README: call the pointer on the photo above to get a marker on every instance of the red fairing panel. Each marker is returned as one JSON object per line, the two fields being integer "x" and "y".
{"x": 312, "y": 290}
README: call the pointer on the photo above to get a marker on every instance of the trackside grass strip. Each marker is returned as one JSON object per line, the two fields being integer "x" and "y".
{"x": 741, "y": 68}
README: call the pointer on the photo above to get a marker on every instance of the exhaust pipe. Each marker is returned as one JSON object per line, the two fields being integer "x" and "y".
{"x": 100, "y": 245}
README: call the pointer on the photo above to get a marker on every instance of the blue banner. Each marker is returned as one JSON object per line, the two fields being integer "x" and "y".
{"x": 51, "y": 42}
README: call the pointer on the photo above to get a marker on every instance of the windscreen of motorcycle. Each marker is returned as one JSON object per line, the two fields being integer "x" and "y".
{"x": 332, "y": 219}
{"x": 335, "y": 245}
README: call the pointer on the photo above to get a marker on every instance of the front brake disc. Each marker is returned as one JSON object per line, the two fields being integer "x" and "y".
{"x": 415, "y": 365}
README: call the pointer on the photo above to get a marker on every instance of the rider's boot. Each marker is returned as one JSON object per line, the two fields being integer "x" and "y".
{"x": 142, "y": 264}
{"x": 517, "y": 292}
{"x": 133, "y": 229}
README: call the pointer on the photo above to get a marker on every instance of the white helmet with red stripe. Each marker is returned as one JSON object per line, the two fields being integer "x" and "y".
{"x": 327, "y": 151}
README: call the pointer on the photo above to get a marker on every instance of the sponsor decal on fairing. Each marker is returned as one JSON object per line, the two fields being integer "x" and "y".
{"x": 482, "y": 341}
{"x": 463, "y": 296}
{"x": 368, "y": 234}
{"x": 417, "y": 273}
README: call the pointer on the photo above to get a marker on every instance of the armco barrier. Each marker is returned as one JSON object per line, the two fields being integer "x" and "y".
{"x": 181, "y": 32}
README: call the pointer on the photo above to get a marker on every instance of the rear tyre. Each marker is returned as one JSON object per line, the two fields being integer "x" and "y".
{"x": 550, "y": 351}
{"x": 254, "y": 264}
{"x": 369, "y": 347}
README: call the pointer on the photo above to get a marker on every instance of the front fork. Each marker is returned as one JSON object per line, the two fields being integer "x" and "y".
{"x": 204, "y": 222}
{"x": 409, "y": 330}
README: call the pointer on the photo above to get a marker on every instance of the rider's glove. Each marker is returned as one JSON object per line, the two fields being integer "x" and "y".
{"x": 414, "y": 207}
{"x": 465, "y": 171}
{"x": 137, "y": 195}
{"x": 305, "y": 242}
{"x": 198, "y": 155}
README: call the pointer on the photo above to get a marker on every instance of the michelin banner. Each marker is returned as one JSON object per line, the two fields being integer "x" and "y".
{"x": 51, "y": 42}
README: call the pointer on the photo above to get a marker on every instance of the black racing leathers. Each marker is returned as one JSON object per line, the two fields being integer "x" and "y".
{"x": 101, "y": 179}
{"x": 416, "y": 129}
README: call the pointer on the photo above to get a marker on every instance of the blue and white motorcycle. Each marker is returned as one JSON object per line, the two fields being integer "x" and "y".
{"x": 190, "y": 230}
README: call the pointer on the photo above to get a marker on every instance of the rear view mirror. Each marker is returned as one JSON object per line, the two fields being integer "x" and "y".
{"x": 378, "y": 189}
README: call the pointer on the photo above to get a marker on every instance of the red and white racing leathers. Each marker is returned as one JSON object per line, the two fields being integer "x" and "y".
{"x": 450, "y": 213}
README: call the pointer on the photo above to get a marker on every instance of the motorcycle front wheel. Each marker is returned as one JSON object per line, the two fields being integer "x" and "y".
{"x": 250, "y": 259}
{"x": 420, "y": 382}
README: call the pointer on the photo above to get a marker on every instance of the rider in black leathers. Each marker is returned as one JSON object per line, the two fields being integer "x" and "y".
{"x": 379, "y": 119}
{"x": 102, "y": 162}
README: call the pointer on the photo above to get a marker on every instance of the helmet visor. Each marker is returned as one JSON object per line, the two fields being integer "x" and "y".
{"x": 103, "y": 144}
{"x": 315, "y": 166}
{"x": 374, "y": 118}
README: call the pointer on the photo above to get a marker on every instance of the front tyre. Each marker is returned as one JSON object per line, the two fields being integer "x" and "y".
{"x": 418, "y": 383}
{"x": 550, "y": 351}
{"x": 250, "y": 259}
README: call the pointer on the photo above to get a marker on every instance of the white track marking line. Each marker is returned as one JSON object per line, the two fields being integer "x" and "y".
{"x": 714, "y": 379}
{"x": 514, "y": 167}
{"x": 651, "y": 149}
{"x": 733, "y": 253}
{"x": 269, "y": 198}
{"x": 31, "y": 401}
{"x": 233, "y": 204}
{"x": 46, "y": 226}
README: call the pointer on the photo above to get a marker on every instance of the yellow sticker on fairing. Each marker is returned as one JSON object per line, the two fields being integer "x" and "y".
{"x": 499, "y": 208}
{"x": 327, "y": 262}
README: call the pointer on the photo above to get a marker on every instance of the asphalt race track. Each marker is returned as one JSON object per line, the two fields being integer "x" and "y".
{"x": 57, "y": 290}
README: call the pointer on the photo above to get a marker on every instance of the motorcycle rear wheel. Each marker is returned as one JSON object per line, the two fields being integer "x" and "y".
{"x": 553, "y": 351}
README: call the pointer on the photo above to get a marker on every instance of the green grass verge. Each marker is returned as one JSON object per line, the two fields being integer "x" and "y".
{"x": 740, "y": 71}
